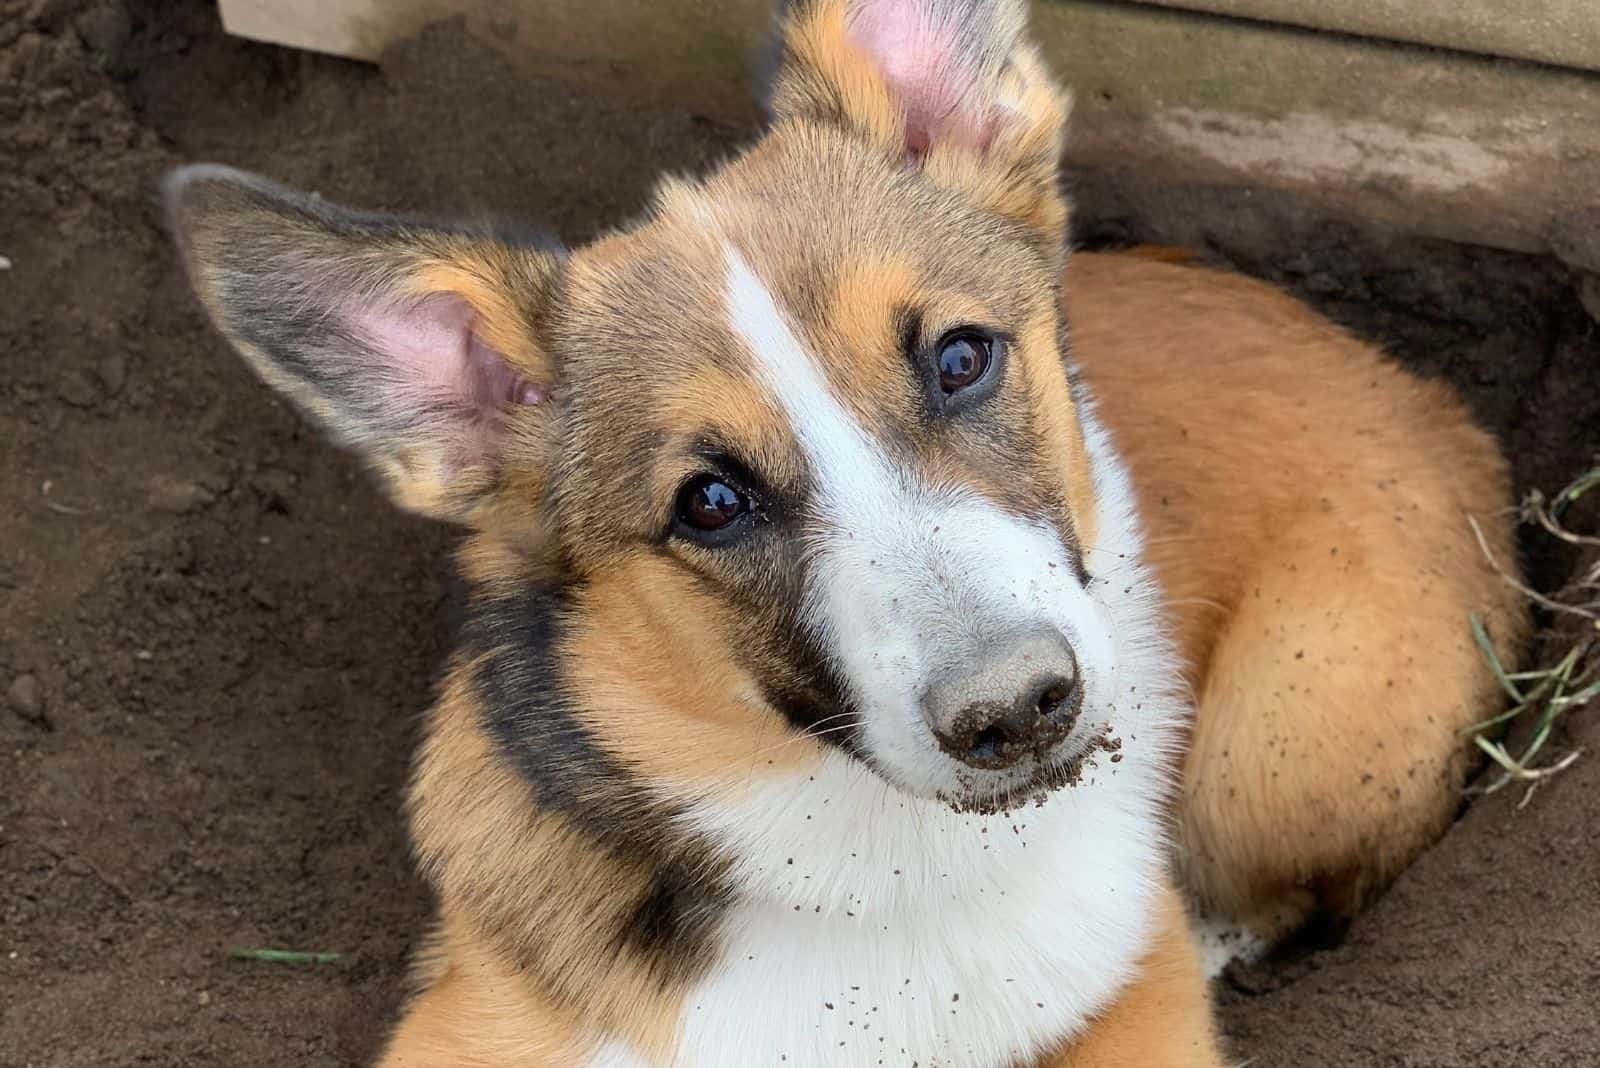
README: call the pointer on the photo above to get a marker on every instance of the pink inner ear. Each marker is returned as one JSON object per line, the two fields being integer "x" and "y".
{"x": 920, "y": 57}
{"x": 437, "y": 369}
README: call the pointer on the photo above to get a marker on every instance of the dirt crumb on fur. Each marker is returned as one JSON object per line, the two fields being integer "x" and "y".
{"x": 216, "y": 637}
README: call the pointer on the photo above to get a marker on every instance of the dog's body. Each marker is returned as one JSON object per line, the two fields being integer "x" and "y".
{"x": 1309, "y": 523}
{"x": 816, "y": 702}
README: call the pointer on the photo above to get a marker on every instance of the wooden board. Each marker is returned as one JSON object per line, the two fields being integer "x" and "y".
{"x": 355, "y": 28}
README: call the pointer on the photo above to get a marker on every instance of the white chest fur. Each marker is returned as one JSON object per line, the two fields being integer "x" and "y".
{"x": 903, "y": 933}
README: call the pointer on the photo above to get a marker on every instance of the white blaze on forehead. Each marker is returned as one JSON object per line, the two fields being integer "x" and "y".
{"x": 848, "y": 464}
{"x": 863, "y": 506}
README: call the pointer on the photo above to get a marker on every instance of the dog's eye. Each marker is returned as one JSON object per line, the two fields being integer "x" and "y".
{"x": 964, "y": 357}
{"x": 708, "y": 504}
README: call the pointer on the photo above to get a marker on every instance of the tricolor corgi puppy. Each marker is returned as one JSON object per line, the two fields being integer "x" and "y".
{"x": 817, "y": 701}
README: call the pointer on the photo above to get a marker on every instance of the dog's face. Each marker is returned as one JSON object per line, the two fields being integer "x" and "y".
{"x": 797, "y": 452}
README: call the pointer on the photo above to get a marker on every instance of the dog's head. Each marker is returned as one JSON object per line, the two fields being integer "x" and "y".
{"x": 796, "y": 454}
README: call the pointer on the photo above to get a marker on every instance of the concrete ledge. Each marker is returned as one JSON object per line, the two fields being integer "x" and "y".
{"x": 1433, "y": 143}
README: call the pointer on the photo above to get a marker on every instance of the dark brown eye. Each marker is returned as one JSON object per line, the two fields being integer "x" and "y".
{"x": 963, "y": 358}
{"x": 708, "y": 504}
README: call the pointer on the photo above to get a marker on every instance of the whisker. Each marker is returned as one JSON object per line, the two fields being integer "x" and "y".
{"x": 755, "y": 752}
{"x": 829, "y": 719}
{"x": 804, "y": 736}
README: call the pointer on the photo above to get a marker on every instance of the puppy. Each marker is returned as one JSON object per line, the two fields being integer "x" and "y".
{"x": 817, "y": 701}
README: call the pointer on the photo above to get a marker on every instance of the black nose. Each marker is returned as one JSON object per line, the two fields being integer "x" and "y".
{"x": 982, "y": 718}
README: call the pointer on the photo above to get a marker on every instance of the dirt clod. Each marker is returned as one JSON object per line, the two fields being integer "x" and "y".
{"x": 178, "y": 496}
{"x": 105, "y": 28}
{"x": 26, "y": 697}
{"x": 112, "y": 371}
{"x": 77, "y": 389}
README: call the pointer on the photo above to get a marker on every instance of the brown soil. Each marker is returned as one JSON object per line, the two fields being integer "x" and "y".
{"x": 215, "y": 637}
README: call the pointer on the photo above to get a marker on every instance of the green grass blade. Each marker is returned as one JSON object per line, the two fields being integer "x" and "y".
{"x": 1486, "y": 647}
{"x": 1582, "y": 697}
{"x": 282, "y": 956}
{"x": 1581, "y": 485}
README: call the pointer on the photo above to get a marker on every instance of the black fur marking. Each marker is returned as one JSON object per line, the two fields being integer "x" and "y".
{"x": 820, "y": 704}
{"x": 531, "y": 715}
{"x": 674, "y": 913}
{"x": 656, "y": 921}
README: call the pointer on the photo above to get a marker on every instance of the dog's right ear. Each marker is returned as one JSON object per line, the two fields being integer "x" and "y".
{"x": 953, "y": 88}
{"x": 419, "y": 347}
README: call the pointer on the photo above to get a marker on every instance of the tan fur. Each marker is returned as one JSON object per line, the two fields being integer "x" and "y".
{"x": 1061, "y": 435}
{"x": 652, "y": 621}
{"x": 825, "y": 74}
{"x": 477, "y": 1012}
{"x": 862, "y": 310}
{"x": 1306, "y": 505}
{"x": 511, "y": 877}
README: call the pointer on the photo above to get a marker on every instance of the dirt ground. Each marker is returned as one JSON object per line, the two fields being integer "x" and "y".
{"x": 215, "y": 637}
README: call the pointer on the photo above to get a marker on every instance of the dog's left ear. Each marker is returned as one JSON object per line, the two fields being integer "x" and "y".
{"x": 421, "y": 348}
{"x": 951, "y": 87}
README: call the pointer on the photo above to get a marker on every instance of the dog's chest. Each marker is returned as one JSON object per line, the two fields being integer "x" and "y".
{"x": 984, "y": 967}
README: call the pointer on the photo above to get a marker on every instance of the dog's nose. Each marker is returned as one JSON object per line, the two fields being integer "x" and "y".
{"x": 1019, "y": 700}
